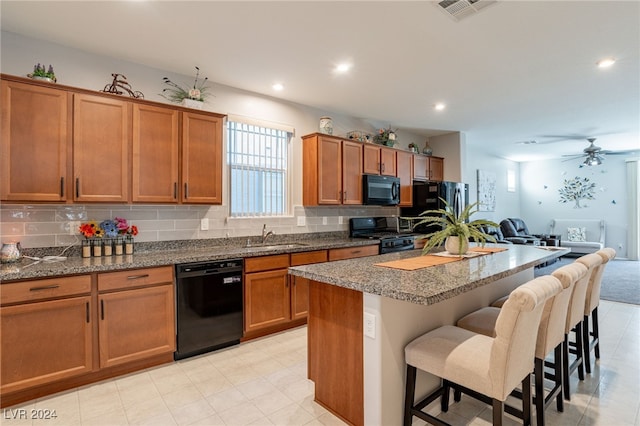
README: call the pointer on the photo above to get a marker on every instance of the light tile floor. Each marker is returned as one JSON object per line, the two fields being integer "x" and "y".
{"x": 263, "y": 382}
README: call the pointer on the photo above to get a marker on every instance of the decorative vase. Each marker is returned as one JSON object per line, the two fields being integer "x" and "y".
{"x": 47, "y": 79}
{"x": 452, "y": 245}
{"x": 11, "y": 252}
{"x": 192, "y": 103}
{"x": 427, "y": 149}
{"x": 326, "y": 125}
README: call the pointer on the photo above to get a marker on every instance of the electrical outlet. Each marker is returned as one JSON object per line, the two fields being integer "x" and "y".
{"x": 340, "y": 220}
{"x": 369, "y": 325}
{"x": 204, "y": 224}
{"x": 302, "y": 220}
{"x": 324, "y": 220}
{"x": 74, "y": 226}
{"x": 620, "y": 246}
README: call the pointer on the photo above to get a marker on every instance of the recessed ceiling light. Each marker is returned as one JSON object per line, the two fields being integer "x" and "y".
{"x": 278, "y": 87}
{"x": 342, "y": 68}
{"x": 606, "y": 62}
{"x": 439, "y": 106}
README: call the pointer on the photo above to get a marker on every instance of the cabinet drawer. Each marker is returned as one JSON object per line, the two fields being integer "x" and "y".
{"x": 309, "y": 257}
{"x": 352, "y": 252}
{"x": 27, "y": 291}
{"x": 266, "y": 263}
{"x": 135, "y": 278}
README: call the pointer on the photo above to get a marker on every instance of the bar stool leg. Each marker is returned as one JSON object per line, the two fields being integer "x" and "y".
{"x": 526, "y": 400}
{"x": 579, "y": 354}
{"x": 557, "y": 367}
{"x": 565, "y": 368}
{"x": 585, "y": 344}
{"x": 444, "y": 401}
{"x": 498, "y": 412}
{"x": 409, "y": 394}
{"x": 596, "y": 331}
{"x": 539, "y": 385}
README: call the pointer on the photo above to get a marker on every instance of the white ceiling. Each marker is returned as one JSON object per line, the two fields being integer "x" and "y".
{"x": 516, "y": 71}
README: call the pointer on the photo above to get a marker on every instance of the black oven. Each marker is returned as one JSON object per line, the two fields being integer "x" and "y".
{"x": 391, "y": 233}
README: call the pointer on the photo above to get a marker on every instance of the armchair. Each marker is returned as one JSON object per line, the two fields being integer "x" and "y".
{"x": 516, "y": 231}
{"x": 496, "y": 233}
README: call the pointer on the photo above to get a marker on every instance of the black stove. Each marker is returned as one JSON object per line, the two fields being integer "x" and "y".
{"x": 394, "y": 234}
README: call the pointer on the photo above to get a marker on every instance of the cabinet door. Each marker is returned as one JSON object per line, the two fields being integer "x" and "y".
{"x": 201, "y": 158}
{"x": 420, "y": 167}
{"x": 136, "y": 324}
{"x": 299, "y": 297}
{"x": 404, "y": 171}
{"x": 155, "y": 155}
{"x": 371, "y": 159}
{"x": 44, "y": 342}
{"x": 436, "y": 168}
{"x": 388, "y": 161}
{"x": 35, "y": 143}
{"x": 329, "y": 174}
{"x": 267, "y": 299}
{"x": 101, "y": 135}
{"x": 351, "y": 172}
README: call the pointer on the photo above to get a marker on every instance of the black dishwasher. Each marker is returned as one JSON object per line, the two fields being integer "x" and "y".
{"x": 209, "y": 306}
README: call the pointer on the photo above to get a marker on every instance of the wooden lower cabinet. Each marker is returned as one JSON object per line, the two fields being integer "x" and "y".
{"x": 45, "y": 341}
{"x": 267, "y": 299}
{"x": 136, "y": 324}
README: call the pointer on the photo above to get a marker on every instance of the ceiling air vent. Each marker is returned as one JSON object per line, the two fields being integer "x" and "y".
{"x": 458, "y": 9}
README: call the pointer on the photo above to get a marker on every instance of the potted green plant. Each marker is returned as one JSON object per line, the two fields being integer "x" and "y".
{"x": 42, "y": 73}
{"x": 190, "y": 96}
{"x": 455, "y": 228}
{"x": 385, "y": 137}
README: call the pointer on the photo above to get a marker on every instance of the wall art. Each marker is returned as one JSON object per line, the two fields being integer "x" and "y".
{"x": 486, "y": 191}
{"x": 577, "y": 189}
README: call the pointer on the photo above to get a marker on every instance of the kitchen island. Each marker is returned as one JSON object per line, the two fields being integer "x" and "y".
{"x": 359, "y": 371}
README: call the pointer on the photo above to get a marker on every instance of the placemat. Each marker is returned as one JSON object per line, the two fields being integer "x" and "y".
{"x": 488, "y": 249}
{"x": 413, "y": 263}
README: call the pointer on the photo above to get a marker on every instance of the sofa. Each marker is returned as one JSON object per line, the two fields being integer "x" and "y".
{"x": 515, "y": 230}
{"x": 582, "y": 236}
{"x": 496, "y": 233}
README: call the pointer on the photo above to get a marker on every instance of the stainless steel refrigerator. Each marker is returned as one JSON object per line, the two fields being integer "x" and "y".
{"x": 429, "y": 196}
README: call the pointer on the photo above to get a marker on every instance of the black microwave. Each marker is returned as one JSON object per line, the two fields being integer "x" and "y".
{"x": 381, "y": 190}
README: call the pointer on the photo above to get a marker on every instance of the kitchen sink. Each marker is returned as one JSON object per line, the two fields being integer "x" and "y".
{"x": 277, "y": 246}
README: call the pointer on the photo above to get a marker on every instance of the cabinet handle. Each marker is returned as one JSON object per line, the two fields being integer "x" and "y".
{"x": 62, "y": 186}
{"x": 77, "y": 187}
{"x": 88, "y": 318}
{"x": 382, "y": 167}
{"x": 44, "y": 287}
{"x": 186, "y": 190}
{"x": 102, "y": 309}
{"x": 137, "y": 277}
{"x": 356, "y": 251}
{"x": 175, "y": 190}
{"x": 344, "y": 196}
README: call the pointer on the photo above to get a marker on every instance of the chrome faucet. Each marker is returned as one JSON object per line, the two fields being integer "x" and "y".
{"x": 265, "y": 234}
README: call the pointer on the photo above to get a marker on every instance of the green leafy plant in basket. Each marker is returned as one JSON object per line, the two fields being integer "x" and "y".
{"x": 453, "y": 224}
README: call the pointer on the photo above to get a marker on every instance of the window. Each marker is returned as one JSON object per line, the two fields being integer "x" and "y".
{"x": 257, "y": 157}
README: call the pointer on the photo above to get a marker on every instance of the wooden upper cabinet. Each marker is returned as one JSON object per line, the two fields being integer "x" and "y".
{"x": 155, "y": 154}
{"x": 428, "y": 168}
{"x": 378, "y": 160}
{"x": 35, "y": 143}
{"x": 201, "y": 158}
{"x": 332, "y": 171}
{"x": 351, "y": 172}
{"x": 404, "y": 171}
{"x": 101, "y": 137}
{"x": 329, "y": 171}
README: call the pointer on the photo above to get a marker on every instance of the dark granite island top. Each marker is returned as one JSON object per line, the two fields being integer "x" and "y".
{"x": 359, "y": 371}
{"x": 430, "y": 285}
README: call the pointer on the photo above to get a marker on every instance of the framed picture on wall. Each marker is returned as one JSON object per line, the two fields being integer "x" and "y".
{"x": 486, "y": 191}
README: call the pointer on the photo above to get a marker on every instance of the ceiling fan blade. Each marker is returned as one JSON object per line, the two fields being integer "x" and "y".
{"x": 574, "y": 155}
{"x": 619, "y": 152}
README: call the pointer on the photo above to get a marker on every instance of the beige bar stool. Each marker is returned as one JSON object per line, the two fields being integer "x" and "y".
{"x": 591, "y": 308}
{"x": 549, "y": 339}
{"x": 574, "y": 323}
{"x": 487, "y": 368}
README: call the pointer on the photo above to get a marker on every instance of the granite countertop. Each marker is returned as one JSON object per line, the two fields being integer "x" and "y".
{"x": 173, "y": 254}
{"x": 430, "y": 285}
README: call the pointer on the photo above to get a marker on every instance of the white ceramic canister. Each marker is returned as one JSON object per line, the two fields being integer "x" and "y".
{"x": 326, "y": 125}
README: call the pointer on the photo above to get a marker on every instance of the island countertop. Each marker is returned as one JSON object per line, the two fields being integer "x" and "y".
{"x": 426, "y": 286}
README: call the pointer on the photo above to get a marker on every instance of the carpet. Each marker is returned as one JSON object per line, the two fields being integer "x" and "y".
{"x": 620, "y": 280}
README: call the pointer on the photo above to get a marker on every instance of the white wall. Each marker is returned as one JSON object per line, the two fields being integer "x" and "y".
{"x": 541, "y": 180}
{"x": 507, "y": 203}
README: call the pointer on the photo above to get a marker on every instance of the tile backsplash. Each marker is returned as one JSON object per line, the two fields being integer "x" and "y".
{"x": 38, "y": 225}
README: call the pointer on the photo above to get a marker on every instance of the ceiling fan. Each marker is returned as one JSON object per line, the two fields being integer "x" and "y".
{"x": 594, "y": 155}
